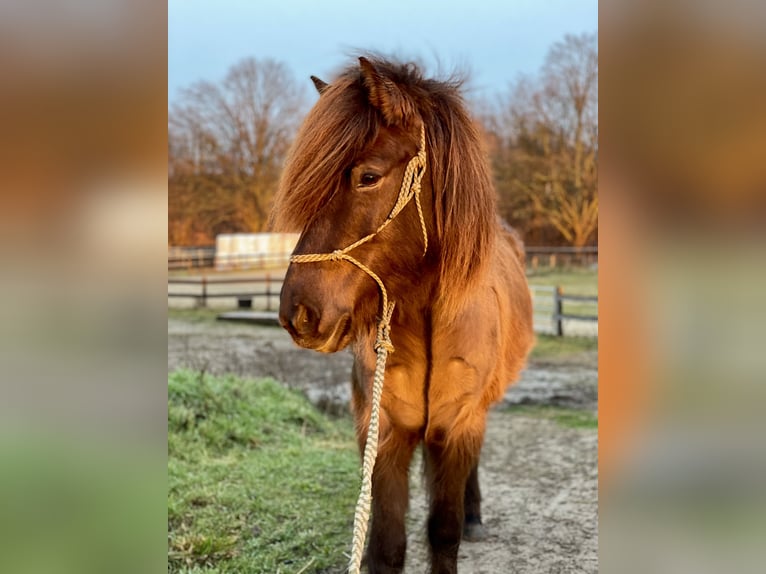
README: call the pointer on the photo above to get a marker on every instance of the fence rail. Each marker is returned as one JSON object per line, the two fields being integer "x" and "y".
{"x": 245, "y": 297}
{"x": 550, "y": 304}
{"x": 207, "y": 258}
{"x": 191, "y": 257}
{"x": 558, "y": 316}
{"x": 540, "y": 256}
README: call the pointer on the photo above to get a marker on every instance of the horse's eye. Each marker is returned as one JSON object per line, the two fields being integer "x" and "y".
{"x": 368, "y": 179}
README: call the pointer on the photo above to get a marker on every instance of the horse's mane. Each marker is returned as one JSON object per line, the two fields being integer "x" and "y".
{"x": 344, "y": 120}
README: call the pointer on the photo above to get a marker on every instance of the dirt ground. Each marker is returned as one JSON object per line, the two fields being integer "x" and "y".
{"x": 539, "y": 486}
{"x": 538, "y": 477}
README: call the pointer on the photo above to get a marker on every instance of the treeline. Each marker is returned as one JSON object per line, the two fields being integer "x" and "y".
{"x": 227, "y": 142}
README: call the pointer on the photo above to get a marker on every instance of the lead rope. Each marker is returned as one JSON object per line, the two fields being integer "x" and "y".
{"x": 413, "y": 175}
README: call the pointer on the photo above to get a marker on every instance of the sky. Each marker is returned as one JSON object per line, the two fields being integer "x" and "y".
{"x": 495, "y": 40}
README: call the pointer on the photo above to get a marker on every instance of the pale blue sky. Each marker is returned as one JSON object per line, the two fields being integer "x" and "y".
{"x": 495, "y": 39}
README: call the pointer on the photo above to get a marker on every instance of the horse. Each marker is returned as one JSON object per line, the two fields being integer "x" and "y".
{"x": 461, "y": 328}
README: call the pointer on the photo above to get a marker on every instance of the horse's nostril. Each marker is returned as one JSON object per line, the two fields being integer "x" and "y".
{"x": 304, "y": 319}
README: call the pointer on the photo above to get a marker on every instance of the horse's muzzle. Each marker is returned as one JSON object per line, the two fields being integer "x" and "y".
{"x": 306, "y": 326}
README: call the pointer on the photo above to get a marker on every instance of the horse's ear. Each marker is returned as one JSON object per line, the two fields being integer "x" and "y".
{"x": 385, "y": 95}
{"x": 320, "y": 85}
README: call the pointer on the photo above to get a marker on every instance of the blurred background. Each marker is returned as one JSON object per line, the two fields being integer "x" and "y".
{"x": 681, "y": 285}
{"x": 83, "y": 148}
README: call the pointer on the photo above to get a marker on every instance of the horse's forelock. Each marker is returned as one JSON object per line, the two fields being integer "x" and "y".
{"x": 334, "y": 132}
{"x": 464, "y": 195}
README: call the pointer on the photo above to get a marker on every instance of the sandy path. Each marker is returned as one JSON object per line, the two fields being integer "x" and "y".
{"x": 539, "y": 485}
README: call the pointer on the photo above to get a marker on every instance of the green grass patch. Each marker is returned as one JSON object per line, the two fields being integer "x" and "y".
{"x": 550, "y": 346}
{"x": 258, "y": 479}
{"x": 570, "y": 418}
{"x": 575, "y": 281}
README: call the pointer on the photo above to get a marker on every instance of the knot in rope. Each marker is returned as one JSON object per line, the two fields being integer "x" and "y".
{"x": 383, "y": 340}
{"x": 336, "y": 255}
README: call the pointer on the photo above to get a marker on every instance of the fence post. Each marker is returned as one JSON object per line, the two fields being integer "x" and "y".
{"x": 268, "y": 292}
{"x": 558, "y": 309}
{"x": 204, "y": 291}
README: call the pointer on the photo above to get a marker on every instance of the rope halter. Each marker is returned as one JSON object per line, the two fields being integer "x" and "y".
{"x": 413, "y": 174}
{"x": 411, "y": 183}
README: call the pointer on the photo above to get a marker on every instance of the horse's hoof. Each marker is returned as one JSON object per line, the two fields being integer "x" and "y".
{"x": 474, "y": 532}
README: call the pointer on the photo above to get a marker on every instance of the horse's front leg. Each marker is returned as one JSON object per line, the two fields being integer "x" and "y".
{"x": 452, "y": 446}
{"x": 390, "y": 497}
{"x": 446, "y": 481}
{"x": 387, "y": 541}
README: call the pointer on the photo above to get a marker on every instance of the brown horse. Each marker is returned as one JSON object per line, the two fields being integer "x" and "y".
{"x": 462, "y": 325}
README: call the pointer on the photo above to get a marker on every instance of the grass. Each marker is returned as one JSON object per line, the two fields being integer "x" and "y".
{"x": 569, "y": 418}
{"x": 259, "y": 480}
{"x": 550, "y": 346}
{"x": 195, "y": 314}
{"x": 575, "y": 280}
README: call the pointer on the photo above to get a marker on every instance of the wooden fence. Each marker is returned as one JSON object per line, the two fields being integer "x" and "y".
{"x": 206, "y": 258}
{"x": 191, "y": 257}
{"x": 265, "y": 289}
{"x": 561, "y": 256}
{"x": 555, "y": 312}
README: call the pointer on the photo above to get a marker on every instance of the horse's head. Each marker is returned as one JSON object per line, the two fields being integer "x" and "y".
{"x": 343, "y": 178}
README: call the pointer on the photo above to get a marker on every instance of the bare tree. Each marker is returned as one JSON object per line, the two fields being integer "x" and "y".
{"x": 546, "y": 155}
{"x": 227, "y": 143}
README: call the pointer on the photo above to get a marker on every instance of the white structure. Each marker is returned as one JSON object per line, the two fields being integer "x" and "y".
{"x": 249, "y": 250}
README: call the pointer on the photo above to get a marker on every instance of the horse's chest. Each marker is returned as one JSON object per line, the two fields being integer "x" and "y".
{"x": 404, "y": 396}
